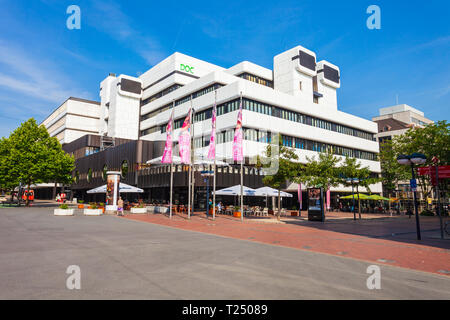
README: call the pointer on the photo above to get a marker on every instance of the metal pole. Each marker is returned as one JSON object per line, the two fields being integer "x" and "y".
{"x": 419, "y": 237}
{"x": 353, "y": 206}
{"x": 214, "y": 191}
{"x": 189, "y": 173}
{"x": 215, "y": 156}
{"x": 192, "y": 162}
{"x": 171, "y": 189}
{"x": 439, "y": 202}
{"x": 242, "y": 190}
{"x": 207, "y": 196}
{"x": 242, "y": 174}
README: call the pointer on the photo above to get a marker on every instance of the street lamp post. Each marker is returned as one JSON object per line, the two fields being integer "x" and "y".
{"x": 353, "y": 181}
{"x": 411, "y": 160}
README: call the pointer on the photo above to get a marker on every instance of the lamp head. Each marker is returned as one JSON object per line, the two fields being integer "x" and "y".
{"x": 418, "y": 158}
{"x": 403, "y": 159}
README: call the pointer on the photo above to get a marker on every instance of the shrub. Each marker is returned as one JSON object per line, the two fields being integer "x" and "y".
{"x": 101, "y": 204}
{"x": 93, "y": 205}
{"x": 80, "y": 201}
{"x": 427, "y": 213}
{"x": 64, "y": 206}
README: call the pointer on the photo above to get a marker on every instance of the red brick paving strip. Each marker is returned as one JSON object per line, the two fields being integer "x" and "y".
{"x": 402, "y": 254}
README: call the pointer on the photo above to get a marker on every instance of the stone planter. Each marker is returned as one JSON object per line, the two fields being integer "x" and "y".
{"x": 92, "y": 212}
{"x": 63, "y": 212}
{"x": 151, "y": 209}
{"x": 138, "y": 210}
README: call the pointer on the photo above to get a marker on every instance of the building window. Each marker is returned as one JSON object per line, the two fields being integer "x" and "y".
{"x": 300, "y": 86}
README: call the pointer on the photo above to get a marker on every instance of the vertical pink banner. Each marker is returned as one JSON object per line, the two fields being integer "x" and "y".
{"x": 212, "y": 141}
{"x": 300, "y": 199}
{"x": 185, "y": 140}
{"x": 167, "y": 155}
{"x": 237, "y": 141}
{"x": 328, "y": 199}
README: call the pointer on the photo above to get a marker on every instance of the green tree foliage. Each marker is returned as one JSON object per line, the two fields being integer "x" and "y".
{"x": 287, "y": 166}
{"x": 321, "y": 173}
{"x": 432, "y": 140}
{"x": 391, "y": 171}
{"x": 31, "y": 156}
{"x": 352, "y": 169}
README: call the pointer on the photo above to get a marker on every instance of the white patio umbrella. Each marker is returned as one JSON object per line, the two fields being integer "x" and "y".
{"x": 123, "y": 188}
{"x": 236, "y": 191}
{"x": 271, "y": 192}
{"x": 175, "y": 160}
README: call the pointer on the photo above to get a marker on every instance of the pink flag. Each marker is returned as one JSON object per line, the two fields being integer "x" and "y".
{"x": 212, "y": 141}
{"x": 167, "y": 155}
{"x": 237, "y": 142}
{"x": 185, "y": 140}
{"x": 300, "y": 195}
{"x": 328, "y": 199}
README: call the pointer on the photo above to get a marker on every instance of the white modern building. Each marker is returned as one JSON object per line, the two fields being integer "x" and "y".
{"x": 73, "y": 119}
{"x": 297, "y": 98}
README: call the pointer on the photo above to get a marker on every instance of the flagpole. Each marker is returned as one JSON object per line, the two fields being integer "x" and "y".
{"x": 171, "y": 169}
{"x": 171, "y": 188}
{"x": 215, "y": 156}
{"x": 242, "y": 172}
{"x": 192, "y": 172}
{"x": 189, "y": 178}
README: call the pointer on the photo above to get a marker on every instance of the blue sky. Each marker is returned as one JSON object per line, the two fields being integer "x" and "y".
{"x": 42, "y": 62}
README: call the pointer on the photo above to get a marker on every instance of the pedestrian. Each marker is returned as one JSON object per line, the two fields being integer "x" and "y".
{"x": 58, "y": 198}
{"x": 120, "y": 207}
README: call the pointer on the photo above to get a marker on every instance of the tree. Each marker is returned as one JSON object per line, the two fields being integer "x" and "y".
{"x": 7, "y": 182}
{"x": 321, "y": 173}
{"x": 433, "y": 141}
{"x": 34, "y": 157}
{"x": 391, "y": 171}
{"x": 352, "y": 169}
{"x": 287, "y": 166}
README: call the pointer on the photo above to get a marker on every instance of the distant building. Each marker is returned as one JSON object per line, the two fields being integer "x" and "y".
{"x": 396, "y": 120}
{"x": 73, "y": 119}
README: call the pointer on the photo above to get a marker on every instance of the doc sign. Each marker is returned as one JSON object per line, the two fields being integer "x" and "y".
{"x": 186, "y": 68}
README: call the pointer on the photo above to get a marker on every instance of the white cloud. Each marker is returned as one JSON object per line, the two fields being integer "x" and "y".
{"x": 30, "y": 75}
{"x": 109, "y": 18}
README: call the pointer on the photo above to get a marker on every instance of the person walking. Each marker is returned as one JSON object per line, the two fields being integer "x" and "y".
{"x": 120, "y": 207}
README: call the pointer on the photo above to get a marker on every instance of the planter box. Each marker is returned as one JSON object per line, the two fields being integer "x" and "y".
{"x": 138, "y": 210}
{"x": 63, "y": 212}
{"x": 237, "y": 214}
{"x": 92, "y": 212}
{"x": 151, "y": 209}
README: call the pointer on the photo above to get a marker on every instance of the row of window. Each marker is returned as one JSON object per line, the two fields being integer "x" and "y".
{"x": 288, "y": 141}
{"x": 263, "y": 108}
{"x": 161, "y": 94}
{"x": 182, "y": 100}
{"x": 256, "y": 79}
{"x": 184, "y": 168}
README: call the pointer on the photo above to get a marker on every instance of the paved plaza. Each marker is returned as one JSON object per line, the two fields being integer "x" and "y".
{"x": 152, "y": 257}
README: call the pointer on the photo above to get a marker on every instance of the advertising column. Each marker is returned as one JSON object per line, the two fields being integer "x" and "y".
{"x": 112, "y": 190}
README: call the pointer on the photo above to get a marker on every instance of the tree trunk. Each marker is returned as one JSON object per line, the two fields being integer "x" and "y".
{"x": 54, "y": 191}
{"x": 279, "y": 205}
